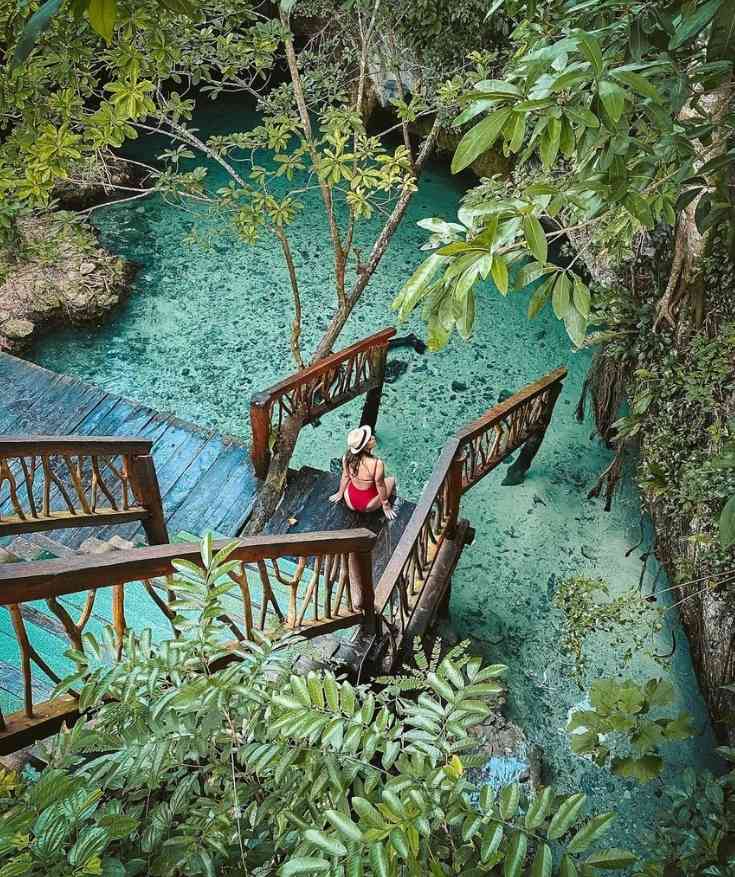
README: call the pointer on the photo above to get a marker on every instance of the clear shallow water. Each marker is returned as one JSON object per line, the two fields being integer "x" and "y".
{"x": 206, "y": 326}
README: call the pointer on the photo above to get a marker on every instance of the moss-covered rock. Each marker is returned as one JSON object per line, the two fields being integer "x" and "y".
{"x": 58, "y": 274}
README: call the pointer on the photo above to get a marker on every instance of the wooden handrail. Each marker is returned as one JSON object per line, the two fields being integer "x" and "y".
{"x": 56, "y": 482}
{"x": 26, "y": 446}
{"x": 42, "y": 579}
{"x": 329, "y": 577}
{"x": 358, "y": 369}
{"x": 473, "y": 452}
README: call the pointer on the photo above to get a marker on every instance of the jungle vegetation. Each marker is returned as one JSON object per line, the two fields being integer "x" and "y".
{"x": 616, "y": 120}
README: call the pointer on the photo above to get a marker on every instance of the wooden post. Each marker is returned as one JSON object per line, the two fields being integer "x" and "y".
{"x": 517, "y": 471}
{"x": 361, "y": 586}
{"x": 373, "y": 396}
{"x": 260, "y": 427}
{"x": 454, "y": 493}
{"x": 148, "y": 494}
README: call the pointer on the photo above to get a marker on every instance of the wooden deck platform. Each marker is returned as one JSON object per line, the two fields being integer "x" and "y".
{"x": 206, "y": 479}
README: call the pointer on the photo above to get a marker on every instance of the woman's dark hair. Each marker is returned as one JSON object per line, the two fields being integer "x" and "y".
{"x": 353, "y": 460}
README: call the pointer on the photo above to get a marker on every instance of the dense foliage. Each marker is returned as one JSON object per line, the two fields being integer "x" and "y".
{"x": 618, "y": 114}
{"x": 184, "y": 769}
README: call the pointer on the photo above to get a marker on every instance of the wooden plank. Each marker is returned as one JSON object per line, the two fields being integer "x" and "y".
{"x": 49, "y": 717}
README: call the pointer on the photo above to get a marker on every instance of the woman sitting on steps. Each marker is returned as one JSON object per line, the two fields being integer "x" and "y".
{"x": 364, "y": 486}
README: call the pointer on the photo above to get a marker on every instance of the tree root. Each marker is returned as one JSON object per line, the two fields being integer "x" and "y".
{"x": 609, "y": 480}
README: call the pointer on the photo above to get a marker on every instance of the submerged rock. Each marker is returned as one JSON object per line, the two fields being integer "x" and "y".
{"x": 58, "y": 274}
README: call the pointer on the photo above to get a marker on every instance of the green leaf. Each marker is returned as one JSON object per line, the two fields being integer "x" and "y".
{"x": 567, "y": 868}
{"x": 540, "y": 296}
{"x": 102, "y": 15}
{"x": 641, "y": 769}
{"x": 638, "y": 83}
{"x": 581, "y": 296}
{"x": 327, "y": 843}
{"x": 576, "y": 325}
{"x": 561, "y": 299}
{"x": 515, "y": 855}
{"x": 613, "y": 99}
{"x": 33, "y": 28}
{"x": 499, "y": 271}
{"x": 566, "y": 815}
{"x": 538, "y": 808}
{"x": 417, "y": 286}
{"x": 589, "y": 833}
{"x": 691, "y": 25}
{"x": 508, "y": 801}
{"x": 478, "y": 139}
{"x": 533, "y": 232}
{"x": 591, "y": 50}
{"x": 379, "y": 860}
{"x": 613, "y": 859}
{"x": 721, "y": 44}
{"x": 344, "y": 825}
{"x": 542, "y": 862}
{"x": 727, "y": 524}
{"x": 304, "y": 865}
{"x": 491, "y": 840}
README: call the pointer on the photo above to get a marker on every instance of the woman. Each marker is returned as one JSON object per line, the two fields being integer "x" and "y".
{"x": 364, "y": 486}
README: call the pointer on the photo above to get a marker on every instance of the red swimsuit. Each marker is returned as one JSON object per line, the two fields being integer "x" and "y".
{"x": 361, "y": 499}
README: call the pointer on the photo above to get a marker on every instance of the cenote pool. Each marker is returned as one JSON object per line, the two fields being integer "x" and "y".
{"x": 207, "y": 325}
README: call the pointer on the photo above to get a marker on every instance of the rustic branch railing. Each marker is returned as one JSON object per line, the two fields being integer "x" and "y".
{"x": 320, "y": 388}
{"x": 467, "y": 458}
{"x": 53, "y": 482}
{"x": 329, "y": 587}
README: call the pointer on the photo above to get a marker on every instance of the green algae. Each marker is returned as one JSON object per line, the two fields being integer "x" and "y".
{"x": 208, "y": 325}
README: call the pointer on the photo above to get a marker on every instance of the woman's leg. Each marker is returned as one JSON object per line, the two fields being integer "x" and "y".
{"x": 376, "y": 502}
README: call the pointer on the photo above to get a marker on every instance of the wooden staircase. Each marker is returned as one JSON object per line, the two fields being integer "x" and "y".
{"x": 359, "y": 588}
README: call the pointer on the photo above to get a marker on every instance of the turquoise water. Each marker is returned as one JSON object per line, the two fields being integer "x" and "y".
{"x": 207, "y": 325}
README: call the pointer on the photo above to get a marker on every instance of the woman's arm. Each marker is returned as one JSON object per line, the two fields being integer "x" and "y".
{"x": 383, "y": 490}
{"x": 344, "y": 481}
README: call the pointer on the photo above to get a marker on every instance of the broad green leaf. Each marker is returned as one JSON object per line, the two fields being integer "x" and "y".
{"x": 327, "y": 843}
{"x": 591, "y": 50}
{"x": 515, "y": 855}
{"x": 533, "y": 232}
{"x": 540, "y": 296}
{"x": 344, "y": 825}
{"x": 576, "y": 325}
{"x": 304, "y": 865}
{"x": 613, "y": 99}
{"x": 499, "y": 271}
{"x": 727, "y": 524}
{"x": 642, "y": 769}
{"x": 508, "y": 801}
{"x": 538, "y": 808}
{"x": 102, "y": 15}
{"x": 638, "y": 83}
{"x": 581, "y": 296}
{"x": 613, "y": 859}
{"x": 478, "y": 139}
{"x": 474, "y": 109}
{"x": 466, "y": 320}
{"x": 491, "y": 840}
{"x": 542, "y": 862}
{"x": 566, "y": 815}
{"x": 33, "y": 28}
{"x": 549, "y": 145}
{"x": 379, "y": 860}
{"x": 590, "y": 832}
{"x": 721, "y": 44}
{"x": 417, "y": 286}
{"x": 567, "y": 868}
{"x": 561, "y": 298}
{"x": 691, "y": 25}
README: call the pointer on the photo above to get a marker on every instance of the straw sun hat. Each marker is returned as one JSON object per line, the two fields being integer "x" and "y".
{"x": 358, "y": 438}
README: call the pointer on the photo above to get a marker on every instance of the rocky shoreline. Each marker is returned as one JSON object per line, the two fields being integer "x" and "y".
{"x": 57, "y": 274}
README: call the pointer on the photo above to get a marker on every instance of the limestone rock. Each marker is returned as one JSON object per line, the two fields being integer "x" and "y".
{"x": 78, "y": 282}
